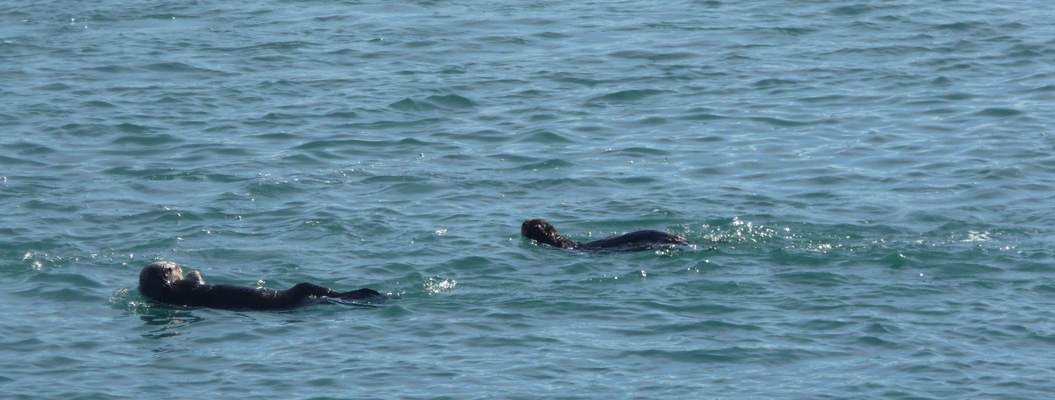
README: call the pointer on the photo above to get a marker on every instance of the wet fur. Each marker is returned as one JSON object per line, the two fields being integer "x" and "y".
{"x": 543, "y": 232}
{"x": 164, "y": 282}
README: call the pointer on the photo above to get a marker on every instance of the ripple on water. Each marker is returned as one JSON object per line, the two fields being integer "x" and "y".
{"x": 871, "y": 183}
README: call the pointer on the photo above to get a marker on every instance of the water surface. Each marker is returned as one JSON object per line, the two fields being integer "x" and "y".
{"x": 878, "y": 177}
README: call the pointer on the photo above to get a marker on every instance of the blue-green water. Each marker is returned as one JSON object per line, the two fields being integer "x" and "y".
{"x": 879, "y": 176}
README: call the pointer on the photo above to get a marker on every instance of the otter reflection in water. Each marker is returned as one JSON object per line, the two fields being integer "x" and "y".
{"x": 164, "y": 282}
{"x": 542, "y": 232}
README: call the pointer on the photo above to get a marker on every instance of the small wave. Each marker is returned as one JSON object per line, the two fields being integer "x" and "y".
{"x": 644, "y": 55}
{"x": 773, "y": 82}
{"x": 786, "y": 122}
{"x": 959, "y": 26}
{"x": 433, "y": 103}
{"x": 133, "y": 128}
{"x": 544, "y": 165}
{"x": 545, "y": 137}
{"x": 178, "y": 67}
{"x": 451, "y": 101}
{"x": 851, "y": 11}
{"x": 628, "y": 95}
{"x": 999, "y": 112}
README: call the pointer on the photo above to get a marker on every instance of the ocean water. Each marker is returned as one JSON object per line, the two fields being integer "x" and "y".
{"x": 870, "y": 183}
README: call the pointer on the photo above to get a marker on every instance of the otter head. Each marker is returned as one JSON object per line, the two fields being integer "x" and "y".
{"x": 156, "y": 280}
{"x": 541, "y": 231}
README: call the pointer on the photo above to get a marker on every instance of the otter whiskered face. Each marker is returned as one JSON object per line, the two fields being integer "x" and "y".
{"x": 541, "y": 231}
{"x": 157, "y": 278}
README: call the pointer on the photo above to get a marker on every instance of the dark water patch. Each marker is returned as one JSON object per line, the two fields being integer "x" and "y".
{"x": 651, "y": 121}
{"x": 26, "y": 148}
{"x": 564, "y": 77}
{"x": 630, "y": 95}
{"x": 894, "y": 260}
{"x": 451, "y": 101}
{"x": 999, "y": 112}
{"x": 796, "y": 30}
{"x": 304, "y": 159}
{"x": 113, "y": 69}
{"x": 421, "y": 43}
{"x": 1026, "y": 53}
{"x": 433, "y": 103}
{"x": 824, "y": 99}
{"x": 63, "y": 295}
{"x": 504, "y": 40}
{"x": 701, "y": 116}
{"x": 506, "y": 158}
{"x": 966, "y": 269}
{"x": 54, "y": 87}
{"x": 323, "y": 147}
{"x": 413, "y": 105}
{"x": 277, "y": 116}
{"x": 82, "y": 130}
{"x": 701, "y": 308}
{"x": 958, "y": 96}
{"x": 1043, "y": 89}
{"x": 651, "y": 56}
{"x": 544, "y": 136}
{"x": 641, "y": 152}
{"x": 341, "y": 115}
{"x": 633, "y": 181}
{"x": 786, "y": 122}
{"x": 543, "y": 165}
{"x": 773, "y": 82}
{"x": 42, "y": 205}
{"x": 553, "y": 185}
{"x": 552, "y": 35}
{"x": 205, "y": 152}
{"x": 153, "y": 174}
{"x": 484, "y": 136}
{"x": 941, "y": 81}
{"x": 410, "y": 189}
{"x": 708, "y": 172}
{"x": 133, "y": 128}
{"x": 1045, "y": 289}
{"x": 851, "y": 10}
{"x": 278, "y": 136}
{"x": 171, "y": 101}
{"x": 702, "y": 326}
{"x": 76, "y": 280}
{"x": 872, "y": 341}
{"x": 148, "y": 140}
{"x": 97, "y": 104}
{"x": 960, "y": 26}
{"x": 332, "y": 144}
{"x": 821, "y": 325}
{"x": 390, "y": 179}
{"x": 770, "y": 356}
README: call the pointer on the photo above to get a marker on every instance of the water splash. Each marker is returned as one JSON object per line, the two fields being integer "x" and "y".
{"x": 436, "y": 285}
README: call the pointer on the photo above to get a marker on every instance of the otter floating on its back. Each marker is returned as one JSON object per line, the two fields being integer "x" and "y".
{"x": 541, "y": 231}
{"x": 164, "y": 282}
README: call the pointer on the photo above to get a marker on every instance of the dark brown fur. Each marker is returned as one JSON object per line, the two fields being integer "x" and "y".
{"x": 543, "y": 232}
{"x": 164, "y": 282}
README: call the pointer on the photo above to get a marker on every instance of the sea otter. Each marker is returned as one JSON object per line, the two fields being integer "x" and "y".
{"x": 542, "y": 232}
{"x": 163, "y": 281}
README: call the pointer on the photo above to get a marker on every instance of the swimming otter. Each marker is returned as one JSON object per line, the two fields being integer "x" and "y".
{"x": 542, "y": 232}
{"x": 163, "y": 281}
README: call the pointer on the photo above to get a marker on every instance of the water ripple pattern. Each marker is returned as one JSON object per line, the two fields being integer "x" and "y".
{"x": 869, "y": 184}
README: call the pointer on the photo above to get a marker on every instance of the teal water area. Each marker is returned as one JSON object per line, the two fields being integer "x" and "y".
{"x": 877, "y": 178}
